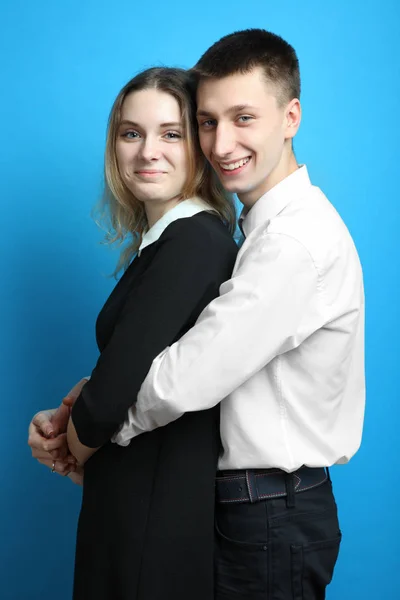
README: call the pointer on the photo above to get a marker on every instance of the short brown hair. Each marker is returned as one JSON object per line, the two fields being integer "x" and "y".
{"x": 123, "y": 214}
{"x": 242, "y": 51}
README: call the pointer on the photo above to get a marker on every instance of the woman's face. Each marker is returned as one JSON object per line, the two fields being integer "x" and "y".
{"x": 151, "y": 151}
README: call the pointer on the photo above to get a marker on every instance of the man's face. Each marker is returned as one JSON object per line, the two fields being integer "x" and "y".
{"x": 244, "y": 132}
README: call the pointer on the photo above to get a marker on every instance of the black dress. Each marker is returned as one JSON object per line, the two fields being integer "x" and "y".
{"x": 145, "y": 530}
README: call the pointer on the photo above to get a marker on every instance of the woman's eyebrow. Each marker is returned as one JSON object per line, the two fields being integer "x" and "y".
{"x": 128, "y": 122}
{"x": 169, "y": 124}
{"x": 172, "y": 124}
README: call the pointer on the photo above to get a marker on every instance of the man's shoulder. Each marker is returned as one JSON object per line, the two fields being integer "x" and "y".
{"x": 314, "y": 222}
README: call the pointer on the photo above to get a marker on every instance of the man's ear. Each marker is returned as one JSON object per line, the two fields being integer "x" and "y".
{"x": 292, "y": 118}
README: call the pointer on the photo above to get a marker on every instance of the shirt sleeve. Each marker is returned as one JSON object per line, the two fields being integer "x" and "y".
{"x": 183, "y": 277}
{"x": 271, "y": 304}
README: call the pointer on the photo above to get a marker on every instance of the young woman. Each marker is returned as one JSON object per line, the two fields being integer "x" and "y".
{"x": 146, "y": 524}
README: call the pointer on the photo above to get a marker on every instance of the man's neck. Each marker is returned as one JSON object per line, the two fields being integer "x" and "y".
{"x": 286, "y": 167}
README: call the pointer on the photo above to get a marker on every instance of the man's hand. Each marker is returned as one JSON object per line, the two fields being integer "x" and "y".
{"x": 48, "y": 438}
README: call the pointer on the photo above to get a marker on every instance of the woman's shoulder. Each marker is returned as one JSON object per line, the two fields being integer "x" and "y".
{"x": 204, "y": 230}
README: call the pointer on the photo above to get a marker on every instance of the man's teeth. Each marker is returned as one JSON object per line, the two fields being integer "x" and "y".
{"x": 236, "y": 165}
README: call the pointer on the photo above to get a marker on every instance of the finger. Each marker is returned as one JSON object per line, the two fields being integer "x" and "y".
{"x": 77, "y": 475}
{"x": 36, "y": 436}
{"x": 46, "y": 456}
{"x": 62, "y": 454}
{"x": 62, "y": 446}
{"x": 42, "y": 422}
{"x": 46, "y": 462}
{"x": 39, "y": 442}
{"x": 41, "y": 454}
{"x": 76, "y": 390}
{"x": 71, "y": 459}
{"x": 49, "y": 445}
{"x": 35, "y": 439}
{"x": 64, "y": 468}
{"x": 59, "y": 467}
{"x": 68, "y": 401}
{"x": 74, "y": 393}
{"x": 76, "y": 478}
{"x": 60, "y": 419}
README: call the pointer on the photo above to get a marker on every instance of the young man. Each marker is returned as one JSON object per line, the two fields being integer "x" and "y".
{"x": 282, "y": 348}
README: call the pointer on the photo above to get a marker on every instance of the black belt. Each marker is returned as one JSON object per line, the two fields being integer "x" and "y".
{"x": 251, "y": 485}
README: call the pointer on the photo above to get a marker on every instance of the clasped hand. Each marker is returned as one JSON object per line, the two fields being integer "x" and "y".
{"x": 48, "y": 437}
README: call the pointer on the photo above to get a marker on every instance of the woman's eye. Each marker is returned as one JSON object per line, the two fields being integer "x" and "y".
{"x": 173, "y": 135}
{"x": 130, "y": 135}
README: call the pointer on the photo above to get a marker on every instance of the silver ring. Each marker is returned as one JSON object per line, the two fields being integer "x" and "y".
{"x": 53, "y": 467}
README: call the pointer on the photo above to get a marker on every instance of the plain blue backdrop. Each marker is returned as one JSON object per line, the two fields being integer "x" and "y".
{"x": 62, "y": 64}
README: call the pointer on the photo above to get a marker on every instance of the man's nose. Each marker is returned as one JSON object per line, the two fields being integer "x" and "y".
{"x": 224, "y": 141}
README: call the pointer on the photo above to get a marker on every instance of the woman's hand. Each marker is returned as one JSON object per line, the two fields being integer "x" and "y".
{"x": 77, "y": 475}
{"x": 48, "y": 437}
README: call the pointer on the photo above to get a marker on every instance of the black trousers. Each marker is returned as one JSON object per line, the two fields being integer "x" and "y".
{"x": 277, "y": 549}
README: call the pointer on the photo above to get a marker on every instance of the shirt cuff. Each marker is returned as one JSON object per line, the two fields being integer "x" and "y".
{"x": 127, "y": 431}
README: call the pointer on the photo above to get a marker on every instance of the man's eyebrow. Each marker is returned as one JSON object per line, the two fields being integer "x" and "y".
{"x": 203, "y": 113}
{"x": 239, "y": 108}
{"x": 232, "y": 109}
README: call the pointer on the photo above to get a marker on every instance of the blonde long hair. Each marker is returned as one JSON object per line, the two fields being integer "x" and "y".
{"x": 119, "y": 212}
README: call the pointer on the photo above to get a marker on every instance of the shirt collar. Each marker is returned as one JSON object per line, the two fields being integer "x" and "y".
{"x": 186, "y": 208}
{"x": 275, "y": 200}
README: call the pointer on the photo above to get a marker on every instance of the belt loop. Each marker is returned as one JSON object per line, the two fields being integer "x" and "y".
{"x": 251, "y": 485}
{"x": 290, "y": 494}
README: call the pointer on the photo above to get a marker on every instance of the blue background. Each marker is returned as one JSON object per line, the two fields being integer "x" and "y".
{"x": 62, "y": 65}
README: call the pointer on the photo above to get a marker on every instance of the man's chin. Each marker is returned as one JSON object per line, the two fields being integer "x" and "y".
{"x": 234, "y": 187}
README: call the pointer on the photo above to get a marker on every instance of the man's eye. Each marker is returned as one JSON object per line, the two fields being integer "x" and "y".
{"x": 207, "y": 124}
{"x": 245, "y": 118}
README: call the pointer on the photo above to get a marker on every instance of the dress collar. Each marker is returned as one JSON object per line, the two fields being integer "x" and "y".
{"x": 186, "y": 208}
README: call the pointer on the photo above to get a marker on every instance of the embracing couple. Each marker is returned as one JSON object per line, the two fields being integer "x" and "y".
{"x": 230, "y": 376}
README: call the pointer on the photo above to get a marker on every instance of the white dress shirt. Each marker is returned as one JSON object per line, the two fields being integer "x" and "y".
{"x": 282, "y": 347}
